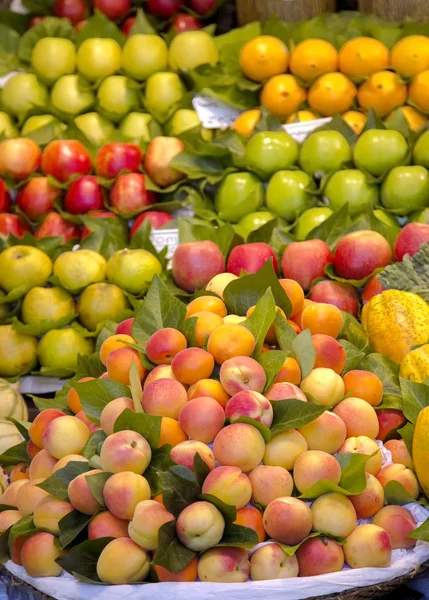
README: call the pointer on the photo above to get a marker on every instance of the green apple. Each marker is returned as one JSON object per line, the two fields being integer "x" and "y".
{"x": 7, "y": 126}
{"x": 69, "y": 98}
{"x": 22, "y": 92}
{"x": 405, "y": 189}
{"x": 379, "y": 150}
{"x": 143, "y": 55}
{"x": 76, "y": 270}
{"x": 23, "y": 266}
{"x": 98, "y": 58}
{"x": 190, "y": 49}
{"x": 100, "y": 302}
{"x": 95, "y": 128}
{"x": 39, "y": 121}
{"x": 185, "y": 119}
{"x": 324, "y": 151}
{"x": 59, "y": 348}
{"x": 163, "y": 91}
{"x": 351, "y": 187}
{"x": 386, "y": 218}
{"x": 238, "y": 195}
{"x": 420, "y": 216}
{"x": 116, "y": 98}
{"x": 421, "y": 150}
{"x": 18, "y": 352}
{"x": 287, "y": 194}
{"x": 252, "y": 222}
{"x": 53, "y": 57}
{"x": 270, "y": 151}
{"x": 135, "y": 127}
{"x": 46, "y": 304}
{"x": 133, "y": 270}
{"x": 310, "y": 219}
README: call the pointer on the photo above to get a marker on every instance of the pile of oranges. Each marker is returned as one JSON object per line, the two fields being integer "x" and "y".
{"x": 362, "y": 75}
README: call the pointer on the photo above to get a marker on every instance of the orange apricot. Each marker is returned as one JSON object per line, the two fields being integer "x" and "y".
{"x": 73, "y": 400}
{"x": 40, "y": 424}
{"x": 289, "y": 373}
{"x": 251, "y": 517}
{"x": 330, "y": 354}
{"x": 297, "y": 318}
{"x": 113, "y": 343}
{"x": 163, "y": 345}
{"x": 364, "y": 385}
{"x": 209, "y": 388}
{"x": 207, "y": 322}
{"x": 295, "y": 293}
{"x": 119, "y": 364}
{"x": 230, "y": 340}
{"x": 211, "y": 304}
{"x": 171, "y": 432}
{"x": 188, "y": 574}
{"x": 322, "y": 318}
{"x": 191, "y": 365}
{"x": 20, "y": 471}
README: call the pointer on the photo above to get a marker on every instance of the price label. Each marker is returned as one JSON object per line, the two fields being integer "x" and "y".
{"x": 165, "y": 237}
{"x": 214, "y": 114}
{"x": 299, "y": 131}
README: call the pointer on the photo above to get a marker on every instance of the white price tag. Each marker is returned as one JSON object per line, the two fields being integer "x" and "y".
{"x": 165, "y": 237}
{"x": 299, "y": 131}
{"x": 18, "y": 7}
{"x": 214, "y": 114}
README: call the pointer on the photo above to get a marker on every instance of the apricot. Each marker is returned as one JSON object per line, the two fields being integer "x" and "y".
{"x": 28, "y": 497}
{"x": 284, "y": 448}
{"x": 371, "y": 500}
{"x": 289, "y": 373}
{"x": 200, "y": 526}
{"x": 230, "y": 485}
{"x": 250, "y": 404}
{"x": 202, "y": 419}
{"x": 400, "y": 454}
{"x": 49, "y": 512}
{"x": 164, "y": 398}
{"x": 295, "y": 293}
{"x": 42, "y": 464}
{"x": 318, "y": 556}
{"x": 270, "y": 337}
{"x": 251, "y": 517}
{"x": 239, "y": 445}
{"x": 104, "y": 524}
{"x": 359, "y": 417}
{"x": 191, "y": 365}
{"x": 123, "y": 491}
{"x": 113, "y": 343}
{"x": 206, "y": 304}
{"x": 188, "y": 574}
{"x": 285, "y": 391}
{"x": 119, "y": 364}
{"x": 125, "y": 451}
{"x": 364, "y": 445}
{"x": 324, "y": 385}
{"x": 65, "y": 435}
{"x": 365, "y": 385}
{"x": 39, "y": 554}
{"x": 73, "y": 400}
{"x": 163, "y": 345}
{"x": 242, "y": 373}
{"x": 271, "y": 562}
{"x": 298, "y": 316}
{"x": 63, "y": 462}
{"x": 111, "y": 412}
{"x": 322, "y": 318}
{"x": 327, "y": 433}
{"x": 159, "y": 372}
{"x": 9, "y": 518}
{"x": 15, "y": 552}
{"x": 211, "y": 388}
{"x": 230, "y": 340}
{"x": 9, "y": 495}
{"x": 288, "y": 520}
{"x": 329, "y": 353}
{"x": 80, "y": 494}
{"x": 207, "y": 322}
{"x": 82, "y": 417}
{"x": 20, "y": 471}
{"x": 171, "y": 433}
{"x": 40, "y": 424}
{"x": 398, "y": 522}
{"x": 224, "y": 565}
{"x": 32, "y": 449}
{"x": 184, "y": 454}
{"x": 334, "y": 515}
{"x": 123, "y": 562}
{"x": 269, "y": 483}
{"x": 368, "y": 546}
{"x": 312, "y": 466}
{"x": 219, "y": 282}
{"x": 148, "y": 517}
{"x": 400, "y": 473}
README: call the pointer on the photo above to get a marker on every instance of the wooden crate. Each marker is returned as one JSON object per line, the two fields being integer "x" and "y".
{"x": 287, "y": 10}
{"x": 397, "y": 10}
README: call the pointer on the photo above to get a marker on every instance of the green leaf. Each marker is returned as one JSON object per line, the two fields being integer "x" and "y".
{"x": 304, "y": 352}
{"x": 291, "y": 550}
{"x": 96, "y": 484}
{"x": 407, "y": 434}
{"x": 261, "y": 320}
{"x": 22, "y": 427}
{"x": 4, "y": 546}
{"x": 421, "y": 533}
{"x": 410, "y": 275}
{"x": 23, "y": 527}
{"x": 353, "y": 477}
{"x": 333, "y": 229}
{"x": 263, "y": 429}
{"x": 354, "y": 356}
{"x": 49, "y": 27}
{"x": 15, "y": 455}
{"x": 171, "y": 553}
{"x": 94, "y": 395}
{"x": 201, "y": 469}
{"x": 160, "y": 310}
{"x": 108, "y": 235}
{"x": 239, "y": 536}
{"x": 272, "y": 361}
{"x": 179, "y": 489}
{"x": 9, "y": 40}
{"x": 188, "y": 330}
{"x": 415, "y": 398}
{"x": 38, "y": 329}
{"x": 293, "y": 414}
{"x": 242, "y": 293}
{"x": 285, "y": 333}
{"x": 58, "y": 402}
{"x": 386, "y": 370}
{"x": 99, "y": 26}
{"x": 146, "y": 425}
{"x": 352, "y": 332}
{"x": 142, "y": 24}
{"x": 395, "y": 493}
{"x": 89, "y": 366}
{"x": 57, "y": 483}
{"x": 357, "y": 283}
{"x": 228, "y": 511}
{"x": 71, "y": 525}
{"x": 159, "y": 463}
{"x": 16, "y": 294}
{"x": 109, "y": 328}
{"x": 82, "y": 559}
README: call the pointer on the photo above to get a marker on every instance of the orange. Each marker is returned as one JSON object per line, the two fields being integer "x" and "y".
{"x": 263, "y": 57}
{"x": 411, "y": 55}
{"x": 282, "y": 95}
{"x": 331, "y": 93}
{"x": 302, "y": 115}
{"x": 246, "y": 122}
{"x": 383, "y": 92}
{"x": 312, "y": 58}
{"x": 419, "y": 91}
{"x": 355, "y": 120}
{"x": 363, "y": 56}
{"x": 415, "y": 119}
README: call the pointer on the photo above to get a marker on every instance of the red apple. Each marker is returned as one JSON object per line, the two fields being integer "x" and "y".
{"x": 164, "y": 9}
{"x": 359, "y": 253}
{"x": 389, "y": 419}
{"x": 306, "y": 261}
{"x": 113, "y": 9}
{"x": 342, "y": 295}
{"x": 37, "y": 198}
{"x": 97, "y": 214}
{"x": 128, "y": 25}
{"x": 184, "y": 22}
{"x": 12, "y": 224}
{"x": 372, "y": 288}
{"x": 125, "y": 326}
{"x": 113, "y": 158}
{"x": 83, "y": 195}
{"x": 35, "y": 21}
{"x": 157, "y": 219}
{"x": 75, "y": 10}
{"x": 19, "y": 157}
{"x": 64, "y": 158}
{"x": 55, "y": 226}
{"x": 196, "y": 263}
{"x": 159, "y": 154}
{"x": 411, "y": 237}
{"x": 4, "y": 197}
{"x": 129, "y": 195}
{"x": 202, "y": 6}
{"x": 250, "y": 258}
